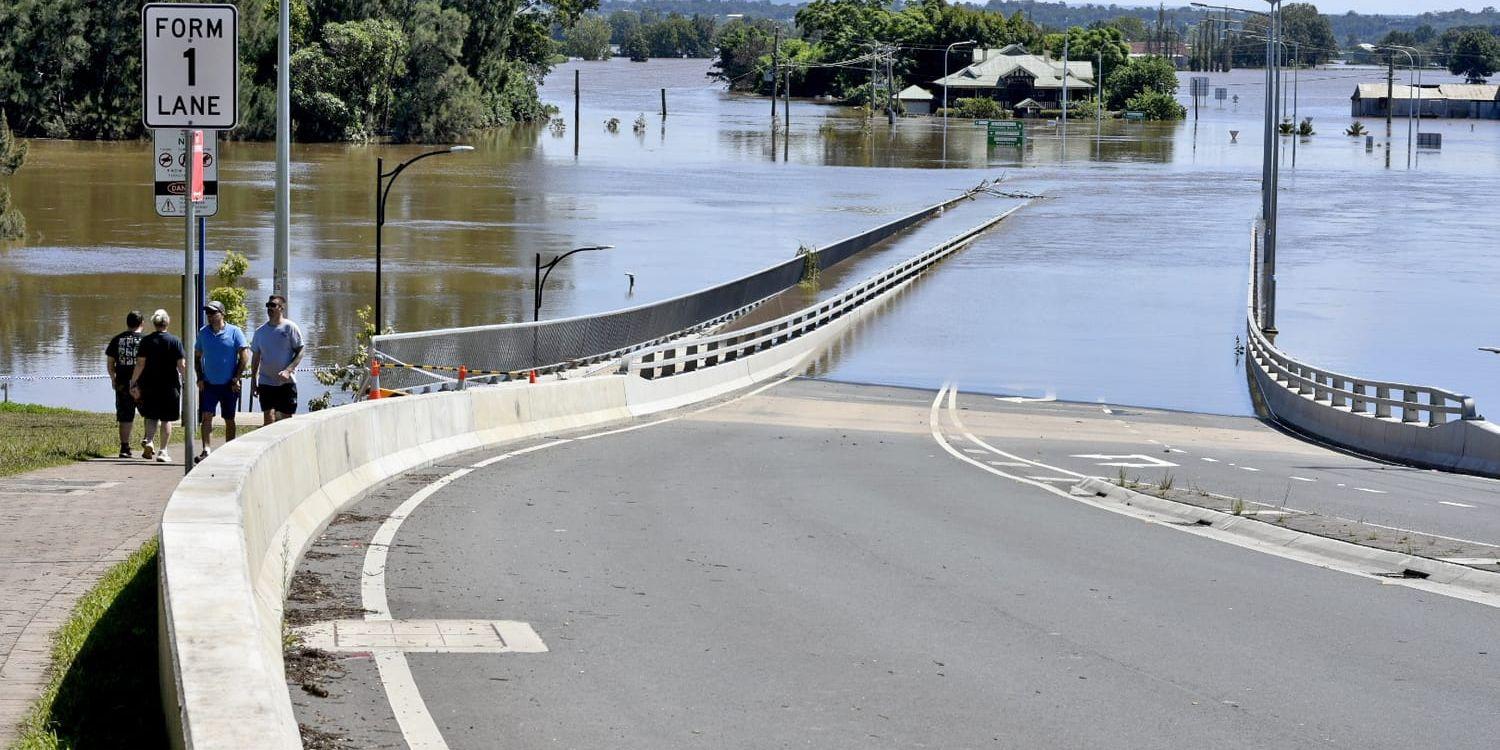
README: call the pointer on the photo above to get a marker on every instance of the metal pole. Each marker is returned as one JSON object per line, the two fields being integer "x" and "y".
{"x": 1065, "y": 85}
{"x": 1099, "y": 101}
{"x": 576, "y": 99}
{"x": 281, "y": 273}
{"x": 536, "y": 291}
{"x": 1390, "y": 96}
{"x": 1270, "y": 244}
{"x": 775, "y": 76}
{"x": 202, "y": 285}
{"x": 1296, "y": 94}
{"x": 1418, "y": 156}
{"x": 379, "y": 226}
{"x": 786, "y": 113}
{"x": 663, "y": 103}
{"x": 1411, "y": 99}
{"x": 189, "y": 296}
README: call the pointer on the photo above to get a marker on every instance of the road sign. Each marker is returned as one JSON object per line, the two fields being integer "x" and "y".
{"x": 1006, "y": 132}
{"x": 170, "y": 159}
{"x": 1221, "y": 93}
{"x": 190, "y": 65}
{"x": 1199, "y": 86}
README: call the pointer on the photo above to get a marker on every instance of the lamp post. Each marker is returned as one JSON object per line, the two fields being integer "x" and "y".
{"x": 1269, "y": 168}
{"x": 383, "y": 182}
{"x": 1414, "y": 104}
{"x": 541, "y": 276}
{"x": 945, "y": 92}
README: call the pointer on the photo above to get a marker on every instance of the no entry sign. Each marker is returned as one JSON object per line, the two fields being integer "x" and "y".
{"x": 190, "y": 65}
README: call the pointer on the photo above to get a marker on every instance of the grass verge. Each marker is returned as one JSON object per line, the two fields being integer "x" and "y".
{"x": 104, "y": 689}
{"x": 35, "y": 437}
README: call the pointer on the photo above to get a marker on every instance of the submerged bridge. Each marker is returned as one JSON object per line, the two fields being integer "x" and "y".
{"x": 669, "y": 540}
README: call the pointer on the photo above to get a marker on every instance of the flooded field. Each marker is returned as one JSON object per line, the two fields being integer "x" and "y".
{"x": 1126, "y": 284}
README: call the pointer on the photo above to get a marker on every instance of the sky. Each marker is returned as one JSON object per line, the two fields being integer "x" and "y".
{"x": 1400, "y": 7}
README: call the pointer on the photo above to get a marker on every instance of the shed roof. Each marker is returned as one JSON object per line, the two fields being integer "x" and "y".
{"x": 915, "y": 93}
{"x": 1486, "y": 92}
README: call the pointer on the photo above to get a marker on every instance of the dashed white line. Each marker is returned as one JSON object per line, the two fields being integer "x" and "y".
{"x": 1372, "y": 492}
{"x": 1303, "y": 479}
{"x": 1211, "y": 460}
{"x": 1249, "y": 468}
{"x": 1456, "y": 505}
{"x": 1054, "y": 479}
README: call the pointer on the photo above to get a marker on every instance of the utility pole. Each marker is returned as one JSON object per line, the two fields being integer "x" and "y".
{"x": 577, "y": 98}
{"x": 874, "y": 63}
{"x": 775, "y": 73}
{"x": 281, "y": 250}
{"x": 890, "y": 88}
{"x": 1390, "y": 95}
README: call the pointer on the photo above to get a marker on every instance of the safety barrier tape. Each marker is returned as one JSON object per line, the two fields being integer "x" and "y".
{"x": 82, "y": 376}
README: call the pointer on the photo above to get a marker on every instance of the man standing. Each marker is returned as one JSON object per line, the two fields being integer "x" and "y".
{"x": 157, "y": 384}
{"x": 119, "y": 357}
{"x": 222, "y": 356}
{"x": 277, "y": 350}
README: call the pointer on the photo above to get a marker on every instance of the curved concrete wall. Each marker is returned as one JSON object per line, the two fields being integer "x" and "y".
{"x": 1471, "y": 446}
{"x": 234, "y": 529}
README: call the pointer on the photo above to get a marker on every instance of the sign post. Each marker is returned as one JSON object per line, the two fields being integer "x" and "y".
{"x": 189, "y": 83}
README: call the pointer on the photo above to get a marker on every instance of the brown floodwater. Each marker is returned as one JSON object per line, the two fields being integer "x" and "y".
{"x": 1125, "y": 284}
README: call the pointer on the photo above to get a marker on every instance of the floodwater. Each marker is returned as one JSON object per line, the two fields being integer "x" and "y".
{"x": 1126, "y": 283}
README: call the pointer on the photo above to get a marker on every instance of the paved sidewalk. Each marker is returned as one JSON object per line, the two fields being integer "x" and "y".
{"x": 60, "y": 530}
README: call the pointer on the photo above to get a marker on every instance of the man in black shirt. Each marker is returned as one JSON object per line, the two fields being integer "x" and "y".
{"x": 119, "y": 359}
{"x": 156, "y": 384}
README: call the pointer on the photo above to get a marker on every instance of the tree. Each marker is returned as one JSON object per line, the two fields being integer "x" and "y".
{"x": 1131, "y": 27}
{"x": 636, "y": 47}
{"x": 440, "y": 100}
{"x": 335, "y": 96}
{"x": 589, "y": 39}
{"x": 1303, "y": 24}
{"x": 1139, "y": 76}
{"x": 12, "y": 155}
{"x": 741, "y": 46}
{"x": 1157, "y": 105}
{"x": 1475, "y": 56}
{"x": 1085, "y": 44}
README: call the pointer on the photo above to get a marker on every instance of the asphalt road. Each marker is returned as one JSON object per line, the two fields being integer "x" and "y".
{"x": 806, "y": 567}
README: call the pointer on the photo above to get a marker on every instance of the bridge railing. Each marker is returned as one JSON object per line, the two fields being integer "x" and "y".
{"x": 688, "y": 355}
{"x": 1413, "y": 424}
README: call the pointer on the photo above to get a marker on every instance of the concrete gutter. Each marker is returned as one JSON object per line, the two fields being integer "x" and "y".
{"x": 235, "y": 528}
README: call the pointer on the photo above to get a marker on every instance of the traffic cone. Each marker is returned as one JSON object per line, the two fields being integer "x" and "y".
{"x": 532, "y": 377}
{"x": 374, "y": 379}
{"x": 463, "y": 374}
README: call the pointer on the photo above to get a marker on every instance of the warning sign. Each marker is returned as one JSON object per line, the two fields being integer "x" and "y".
{"x": 170, "y": 153}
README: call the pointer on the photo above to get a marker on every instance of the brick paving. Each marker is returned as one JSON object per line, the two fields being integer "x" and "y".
{"x": 60, "y": 530}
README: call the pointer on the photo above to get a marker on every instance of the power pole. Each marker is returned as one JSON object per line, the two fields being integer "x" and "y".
{"x": 1390, "y": 94}
{"x": 890, "y": 88}
{"x": 775, "y": 71}
{"x": 874, "y": 68}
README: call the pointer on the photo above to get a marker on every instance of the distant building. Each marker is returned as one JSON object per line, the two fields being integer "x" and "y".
{"x": 1177, "y": 52}
{"x": 1459, "y": 100}
{"x": 916, "y": 100}
{"x": 1011, "y": 75}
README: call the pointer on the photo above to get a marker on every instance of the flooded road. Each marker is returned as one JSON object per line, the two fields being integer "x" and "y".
{"x": 1126, "y": 284}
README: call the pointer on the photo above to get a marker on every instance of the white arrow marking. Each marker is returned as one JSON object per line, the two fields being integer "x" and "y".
{"x": 1132, "y": 461}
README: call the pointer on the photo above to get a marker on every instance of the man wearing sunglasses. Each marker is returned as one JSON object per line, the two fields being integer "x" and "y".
{"x": 276, "y": 350}
{"x": 221, "y": 359}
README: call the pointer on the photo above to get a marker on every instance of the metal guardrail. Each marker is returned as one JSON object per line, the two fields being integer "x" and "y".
{"x": 1417, "y": 404}
{"x": 687, "y": 356}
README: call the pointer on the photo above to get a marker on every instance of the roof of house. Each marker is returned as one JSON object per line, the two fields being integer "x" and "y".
{"x": 1486, "y": 92}
{"x": 1028, "y": 104}
{"x": 914, "y": 93}
{"x": 994, "y": 66}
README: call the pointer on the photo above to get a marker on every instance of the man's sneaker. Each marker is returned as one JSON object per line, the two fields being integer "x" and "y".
{"x": 148, "y": 451}
{"x": 125, "y": 451}
{"x": 162, "y": 457}
{"x": 202, "y": 455}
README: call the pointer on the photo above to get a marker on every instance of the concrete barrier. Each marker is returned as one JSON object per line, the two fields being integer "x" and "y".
{"x": 235, "y": 527}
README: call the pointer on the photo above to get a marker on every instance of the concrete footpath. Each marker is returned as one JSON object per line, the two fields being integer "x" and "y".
{"x": 60, "y": 530}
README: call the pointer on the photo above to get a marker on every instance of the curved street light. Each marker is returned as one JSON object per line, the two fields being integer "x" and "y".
{"x": 541, "y": 278}
{"x": 383, "y": 182}
{"x": 1412, "y": 95}
{"x": 945, "y": 91}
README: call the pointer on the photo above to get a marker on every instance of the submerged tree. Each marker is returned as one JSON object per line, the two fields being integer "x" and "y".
{"x": 12, "y": 155}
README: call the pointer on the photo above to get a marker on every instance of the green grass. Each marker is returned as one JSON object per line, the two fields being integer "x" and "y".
{"x": 35, "y": 437}
{"x": 104, "y": 689}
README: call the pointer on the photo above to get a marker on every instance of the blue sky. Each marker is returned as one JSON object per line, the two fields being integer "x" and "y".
{"x": 1402, "y": 7}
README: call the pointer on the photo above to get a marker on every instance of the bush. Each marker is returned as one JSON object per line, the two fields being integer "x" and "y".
{"x": 1085, "y": 109}
{"x": 1139, "y": 76}
{"x": 980, "y": 108}
{"x": 1157, "y": 105}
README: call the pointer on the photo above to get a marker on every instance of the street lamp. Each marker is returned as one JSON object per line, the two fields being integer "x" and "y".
{"x": 1413, "y": 103}
{"x": 383, "y": 182}
{"x": 1490, "y": 349}
{"x": 1270, "y": 173}
{"x": 541, "y": 278}
{"x": 945, "y": 91}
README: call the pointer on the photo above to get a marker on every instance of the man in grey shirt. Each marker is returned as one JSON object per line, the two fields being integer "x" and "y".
{"x": 276, "y": 350}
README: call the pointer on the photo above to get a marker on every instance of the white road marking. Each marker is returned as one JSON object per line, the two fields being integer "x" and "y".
{"x": 1054, "y": 479}
{"x": 1132, "y": 461}
{"x": 974, "y": 450}
{"x": 1249, "y": 468}
{"x": 1372, "y": 492}
{"x": 1342, "y": 485}
{"x": 1281, "y": 551}
{"x": 1303, "y": 479}
{"x": 1471, "y": 560}
{"x": 1176, "y": 450}
{"x": 1211, "y": 460}
{"x": 1024, "y": 400}
{"x": 425, "y": 636}
{"x": 1008, "y": 463}
{"x": 1456, "y": 505}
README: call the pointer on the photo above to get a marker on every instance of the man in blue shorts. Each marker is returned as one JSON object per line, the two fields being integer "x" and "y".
{"x": 223, "y": 354}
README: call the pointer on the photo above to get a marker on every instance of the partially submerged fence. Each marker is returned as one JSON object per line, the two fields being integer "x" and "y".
{"x": 556, "y": 344}
{"x": 1412, "y": 424}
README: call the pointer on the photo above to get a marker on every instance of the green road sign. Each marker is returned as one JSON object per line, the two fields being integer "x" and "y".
{"x": 1006, "y": 132}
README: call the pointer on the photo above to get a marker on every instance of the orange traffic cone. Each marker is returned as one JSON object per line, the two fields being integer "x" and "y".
{"x": 532, "y": 377}
{"x": 463, "y": 374}
{"x": 374, "y": 379}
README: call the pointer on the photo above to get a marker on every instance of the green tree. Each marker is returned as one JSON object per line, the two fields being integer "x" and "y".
{"x": 1475, "y": 56}
{"x": 1088, "y": 44}
{"x": 588, "y": 39}
{"x": 1132, "y": 28}
{"x": 334, "y": 94}
{"x": 439, "y": 100}
{"x": 12, "y": 156}
{"x": 1157, "y": 105}
{"x": 229, "y": 273}
{"x": 636, "y": 47}
{"x": 1140, "y": 75}
{"x": 622, "y": 26}
{"x": 1303, "y": 24}
{"x": 742, "y": 46}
